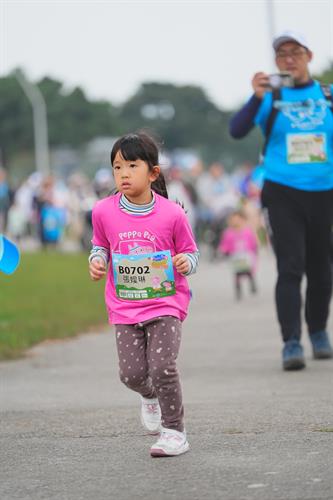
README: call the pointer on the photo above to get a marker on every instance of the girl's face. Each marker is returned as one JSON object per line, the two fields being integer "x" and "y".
{"x": 133, "y": 178}
{"x": 236, "y": 221}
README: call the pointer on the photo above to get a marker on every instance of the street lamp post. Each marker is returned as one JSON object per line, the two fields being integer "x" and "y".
{"x": 39, "y": 120}
{"x": 271, "y": 22}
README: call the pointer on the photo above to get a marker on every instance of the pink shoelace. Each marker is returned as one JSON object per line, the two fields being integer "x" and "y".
{"x": 167, "y": 436}
{"x": 151, "y": 408}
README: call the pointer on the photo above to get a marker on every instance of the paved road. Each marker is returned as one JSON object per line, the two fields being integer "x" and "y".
{"x": 70, "y": 430}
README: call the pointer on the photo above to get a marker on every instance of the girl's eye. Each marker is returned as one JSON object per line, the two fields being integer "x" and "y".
{"x": 133, "y": 165}
{"x": 116, "y": 167}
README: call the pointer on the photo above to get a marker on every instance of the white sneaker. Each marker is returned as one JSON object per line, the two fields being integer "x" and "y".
{"x": 151, "y": 415}
{"x": 170, "y": 443}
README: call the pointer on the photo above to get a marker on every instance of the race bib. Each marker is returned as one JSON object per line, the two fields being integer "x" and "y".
{"x": 241, "y": 262}
{"x": 145, "y": 276}
{"x": 306, "y": 148}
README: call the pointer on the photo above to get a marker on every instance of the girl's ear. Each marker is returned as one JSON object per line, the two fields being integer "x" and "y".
{"x": 155, "y": 172}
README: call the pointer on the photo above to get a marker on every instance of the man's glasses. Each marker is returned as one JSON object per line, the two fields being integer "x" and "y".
{"x": 294, "y": 54}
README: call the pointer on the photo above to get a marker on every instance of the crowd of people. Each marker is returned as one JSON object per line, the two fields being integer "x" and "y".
{"x": 49, "y": 210}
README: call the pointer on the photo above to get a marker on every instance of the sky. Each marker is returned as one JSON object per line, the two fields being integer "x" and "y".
{"x": 109, "y": 47}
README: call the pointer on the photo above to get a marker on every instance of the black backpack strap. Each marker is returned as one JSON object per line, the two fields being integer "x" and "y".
{"x": 327, "y": 91}
{"x": 276, "y": 96}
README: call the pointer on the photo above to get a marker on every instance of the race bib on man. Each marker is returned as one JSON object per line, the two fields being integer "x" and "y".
{"x": 145, "y": 276}
{"x": 306, "y": 148}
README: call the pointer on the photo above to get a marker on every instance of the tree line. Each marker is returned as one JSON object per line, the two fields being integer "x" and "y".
{"x": 182, "y": 116}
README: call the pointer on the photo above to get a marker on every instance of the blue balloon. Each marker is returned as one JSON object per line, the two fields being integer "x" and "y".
{"x": 9, "y": 255}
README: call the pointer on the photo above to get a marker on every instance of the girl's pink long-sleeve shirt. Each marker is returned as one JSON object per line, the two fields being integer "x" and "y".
{"x": 165, "y": 228}
{"x": 236, "y": 241}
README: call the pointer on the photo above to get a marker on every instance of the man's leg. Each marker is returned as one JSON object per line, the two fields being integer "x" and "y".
{"x": 318, "y": 272}
{"x": 288, "y": 228}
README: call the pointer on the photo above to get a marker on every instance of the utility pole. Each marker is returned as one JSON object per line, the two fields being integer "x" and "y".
{"x": 271, "y": 24}
{"x": 39, "y": 121}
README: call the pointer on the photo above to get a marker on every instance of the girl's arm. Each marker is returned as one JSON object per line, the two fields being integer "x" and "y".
{"x": 193, "y": 259}
{"x": 255, "y": 242}
{"x": 226, "y": 242}
{"x": 99, "y": 240}
{"x": 186, "y": 263}
{"x": 100, "y": 252}
{"x": 187, "y": 255}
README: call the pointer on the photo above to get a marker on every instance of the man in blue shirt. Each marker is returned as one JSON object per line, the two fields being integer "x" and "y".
{"x": 297, "y": 192}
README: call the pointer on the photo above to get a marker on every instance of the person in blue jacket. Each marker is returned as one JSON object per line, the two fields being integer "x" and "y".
{"x": 297, "y": 194}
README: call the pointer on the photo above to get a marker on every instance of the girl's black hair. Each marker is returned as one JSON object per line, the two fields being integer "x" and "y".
{"x": 141, "y": 146}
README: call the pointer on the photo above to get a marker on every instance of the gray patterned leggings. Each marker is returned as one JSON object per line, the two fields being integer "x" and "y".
{"x": 147, "y": 364}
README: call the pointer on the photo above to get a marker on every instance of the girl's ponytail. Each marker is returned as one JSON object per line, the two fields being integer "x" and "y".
{"x": 159, "y": 186}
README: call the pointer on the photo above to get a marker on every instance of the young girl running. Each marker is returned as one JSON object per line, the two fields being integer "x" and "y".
{"x": 239, "y": 241}
{"x": 147, "y": 245}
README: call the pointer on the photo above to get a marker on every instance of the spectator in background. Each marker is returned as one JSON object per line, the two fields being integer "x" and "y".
{"x": 4, "y": 200}
{"x": 17, "y": 222}
{"x": 103, "y": 182}
{"x": 179, "y": 190}
{"x": 24, "y": 200}
{"x": 51, "y": 211}
{"x": 217, "y": 199}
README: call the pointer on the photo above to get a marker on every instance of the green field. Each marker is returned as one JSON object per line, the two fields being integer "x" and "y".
{"x": 49, "y": 296}
{"x": 150, "y": 292}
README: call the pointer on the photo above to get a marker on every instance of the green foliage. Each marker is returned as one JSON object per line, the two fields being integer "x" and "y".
{"x": 49, "y": 296}
{"x": 327, "y": 75}
{"x": 182, "y": 116}
{"x": 72, "y": 118}
{"x": 15, "y": 118}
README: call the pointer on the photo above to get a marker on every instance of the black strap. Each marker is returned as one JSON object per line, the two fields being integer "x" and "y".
{"x": 276, "y": 96}
{"x": 327, "y": 91}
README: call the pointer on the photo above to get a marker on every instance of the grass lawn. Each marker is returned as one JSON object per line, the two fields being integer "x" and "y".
{"x": 49, "y": 296}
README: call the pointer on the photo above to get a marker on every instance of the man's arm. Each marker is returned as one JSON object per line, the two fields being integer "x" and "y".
{"x": 243, "y": 121}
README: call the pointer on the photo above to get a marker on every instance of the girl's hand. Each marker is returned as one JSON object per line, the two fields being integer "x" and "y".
{"x": 260, "y": 84}
{"x": 97, "y": 269}
{"x": 181, "y": 263}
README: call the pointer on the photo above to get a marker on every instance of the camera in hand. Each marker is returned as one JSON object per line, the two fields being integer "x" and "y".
{"x": 279, "y": 80}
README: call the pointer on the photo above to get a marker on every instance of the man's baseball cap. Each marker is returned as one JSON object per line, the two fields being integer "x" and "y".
{"x": 290, "y": 36}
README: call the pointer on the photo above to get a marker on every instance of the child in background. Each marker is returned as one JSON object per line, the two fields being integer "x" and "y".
{"x": 239, "y": 241}
{"x": 148, "y": 244}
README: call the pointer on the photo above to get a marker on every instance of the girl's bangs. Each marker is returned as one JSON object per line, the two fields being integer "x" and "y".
{"x": 136, "y": 147}
{"x": 132, "y": 149}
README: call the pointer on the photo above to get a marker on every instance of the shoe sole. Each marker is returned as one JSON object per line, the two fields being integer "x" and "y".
{"x": 294, "y": 364}
{"x": 322, "y": 355}
{"x": 160, "y": 453}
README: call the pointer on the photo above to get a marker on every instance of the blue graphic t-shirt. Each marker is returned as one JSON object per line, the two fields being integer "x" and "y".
{"x": 299, "y": 153}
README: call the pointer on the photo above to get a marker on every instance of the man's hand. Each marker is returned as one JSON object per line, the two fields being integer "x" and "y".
{"x": 260, "y": 84}
{"x": 181, "y": 263}
{"x": 97, "y": 269}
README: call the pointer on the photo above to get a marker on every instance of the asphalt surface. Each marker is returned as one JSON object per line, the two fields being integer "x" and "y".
{"x": 70, "y": 430}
